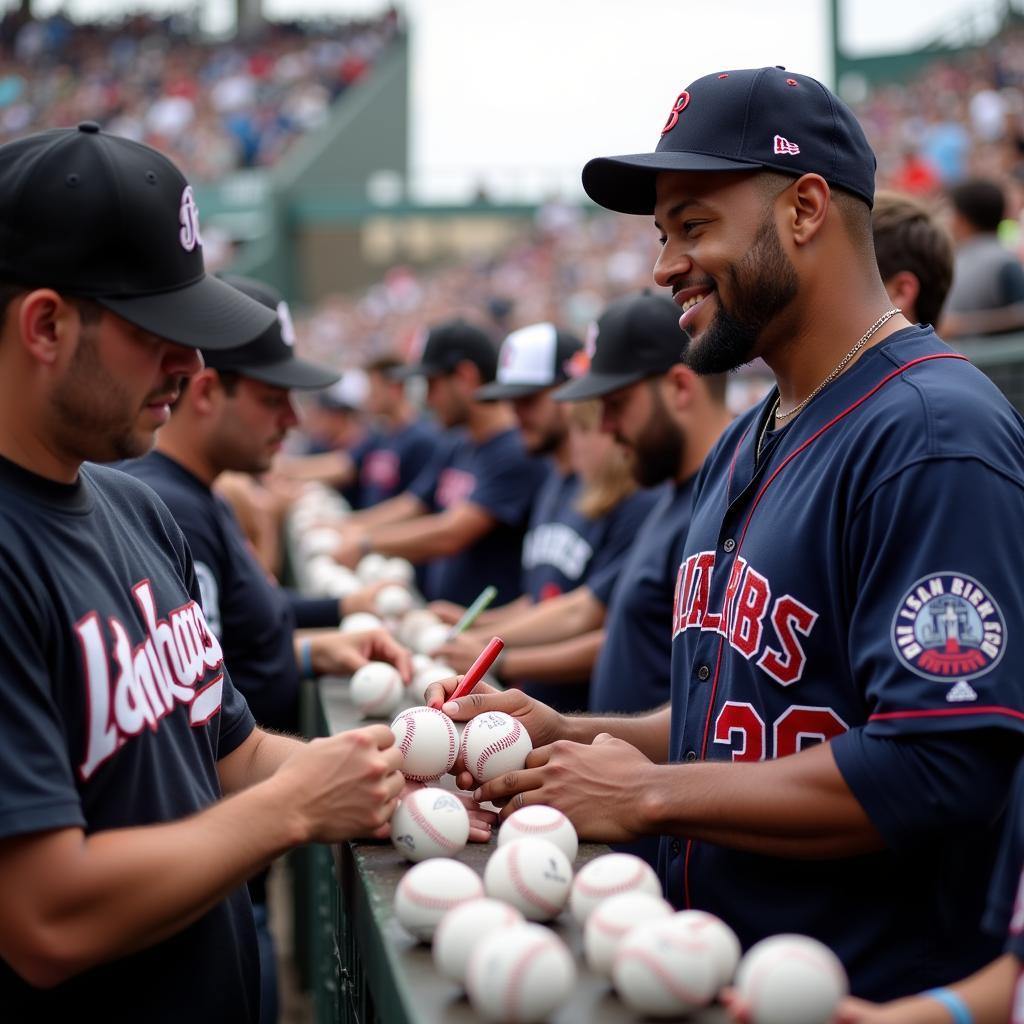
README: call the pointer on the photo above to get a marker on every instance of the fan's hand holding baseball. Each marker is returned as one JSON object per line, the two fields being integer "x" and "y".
{"x": 344, "y": 786}
{"x": 481, "y": 822}
{"x": 599, "y": 786}
{"x": 337, "y": 653}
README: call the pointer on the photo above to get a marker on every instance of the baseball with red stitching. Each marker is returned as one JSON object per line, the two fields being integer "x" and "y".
{"x": 428, "y": 891}
{"x": 791, "y": 979}
{"x": 724, "y": 943}
{"x": 494, "y": 743}
{"x": 607, "y": 876}
{"x": 613, "y": 919}
{"x": 660, "y": 970}
{"x": 541, "y": 822}
{"x": 523, "y": 974}
{"x": 531, "y": 874}
{"x": 428, "y": 742}
{"x": 376, "y": 689}
{"x": 461, "y": 930}
{"x": 429, "y": 822}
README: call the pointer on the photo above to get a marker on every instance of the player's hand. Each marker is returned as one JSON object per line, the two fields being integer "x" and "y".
{"x": 461, "y": 651}
{"x": 481, "y": 822}
{"x": 598, "y": 786}
{"x": 850, "y": 1011}
{"x": 448, "y": 612}
{"x": 343, "y": 786}
{"x": 350, "y": 550}
{"x": 365, "y": 599}
{"x": 336, "y": 653}
{"x": 544, "y": 724}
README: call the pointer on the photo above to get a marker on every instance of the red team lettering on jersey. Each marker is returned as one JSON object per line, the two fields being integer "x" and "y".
{"x": 750, "y": 621}
{"x": 153, "y": 677}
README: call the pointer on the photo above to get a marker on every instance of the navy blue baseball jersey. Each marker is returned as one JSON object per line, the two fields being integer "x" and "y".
{"x": 395, "y": 459}
{"x": 252, "y": 617}
{"x": 114, "y": 710}
{"x": 502, "y": 479}
{"x": 851, "y": 586}
{"x": 564, "y": 549}
{"x": 633, "y": 669}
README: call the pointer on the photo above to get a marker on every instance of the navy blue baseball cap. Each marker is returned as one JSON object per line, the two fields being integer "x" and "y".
{"x": 102, "y": 217}
{"x": 743, "y": 120}
{"x": 448, "y": 344}
{"x": 636, "y": 337}
{"x": 271, "y": 357}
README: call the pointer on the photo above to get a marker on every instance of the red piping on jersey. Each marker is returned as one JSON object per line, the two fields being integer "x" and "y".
{"x": 946, "y": 712}
{"x": 750, "y": 515}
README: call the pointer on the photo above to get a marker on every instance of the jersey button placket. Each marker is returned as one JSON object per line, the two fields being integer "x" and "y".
{"x": 729, "y": 545}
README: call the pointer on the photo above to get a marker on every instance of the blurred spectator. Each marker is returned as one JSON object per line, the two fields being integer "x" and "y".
{"x": 988, "y": 281}
{"x": 212, "y": 107}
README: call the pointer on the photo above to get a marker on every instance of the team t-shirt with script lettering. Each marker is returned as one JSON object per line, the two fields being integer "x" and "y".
{"x": 114, "y": 710}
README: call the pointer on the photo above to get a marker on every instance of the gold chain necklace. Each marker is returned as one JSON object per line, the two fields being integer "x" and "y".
{"x": 777, "y": 414}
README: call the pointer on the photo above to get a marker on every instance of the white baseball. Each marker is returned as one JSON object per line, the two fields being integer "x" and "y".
{"x": 430, "y": 637}
{"x": 376, "y": 689}
{"x": 371, "y": 567}
{"x": 319, "y": 571}
{"x": 321, "y": 540}
{"x": 359, "y": 622}
{"x": 411, "y": 625}
{"x": 613, "y": 919}
{"x": 392, "y": 601}
{"x": 543, "y": 822}
{"x": 661, "y": 970}
{"x": 428, "y": 741}
{"x": 493, "y": 743}
{"x": 521, "y": 974}
{"x": 421, "y": 662}
{"x": 429, "y": 822}
{"x": 430, "y": 890}
{"x": 461, "y": 930}
{"x": 433, "y": 673}
{"x": 399, "y": 570}
{"x": 607, "y": 876}
{"x": 791, "y": 979}
{"x": 724, "y": 943}
{"x": 340, "y": 582}
{"x": 531, "y": 874}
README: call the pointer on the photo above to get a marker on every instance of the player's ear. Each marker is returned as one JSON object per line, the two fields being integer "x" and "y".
{"x": 807, "y": 207}
{"x": 205, "y": 391}
{"x": 47, "y": 323}
{"x": 680, "y": 382}
{"x": 903, "y": 289}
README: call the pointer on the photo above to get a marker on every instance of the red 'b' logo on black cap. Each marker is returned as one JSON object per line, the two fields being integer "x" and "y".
{"x": 681, "y": 103}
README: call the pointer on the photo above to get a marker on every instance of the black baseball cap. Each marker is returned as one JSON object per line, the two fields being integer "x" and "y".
{"x": 636, "y": 337}
{"x": 529, "y": 361}
{"x": 102, "y": 217}
{"x": 270, "y": 358}
{"x": 449, "y": 344}
{"x": 743, "y": 121}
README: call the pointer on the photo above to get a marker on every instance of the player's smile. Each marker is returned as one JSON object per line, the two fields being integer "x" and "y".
{"x": 692, "y": 301}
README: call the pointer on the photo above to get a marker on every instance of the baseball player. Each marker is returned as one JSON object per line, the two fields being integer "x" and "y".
{"x": 467, "y": 511}
{"x": 847, "y": 703}
{"x": 138, "y": 795}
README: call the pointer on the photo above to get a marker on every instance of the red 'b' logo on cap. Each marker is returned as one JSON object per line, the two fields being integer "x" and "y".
{"x": 681, "y": 103}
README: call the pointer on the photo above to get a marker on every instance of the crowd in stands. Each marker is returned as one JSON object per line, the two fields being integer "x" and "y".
{"x": 214, "y": 107}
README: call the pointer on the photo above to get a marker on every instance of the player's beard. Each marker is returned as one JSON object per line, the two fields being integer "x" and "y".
{"x": 761, "y": 285}
{"x": 95, "y": 418}
{"x": 657, "y": 452}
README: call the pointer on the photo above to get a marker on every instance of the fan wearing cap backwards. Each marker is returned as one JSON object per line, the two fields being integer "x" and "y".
{"x": 847, "y": 688}
{"x": 137, "y": 794}
{"x": 566, "y": 548}
{"x": 466, "y": 513}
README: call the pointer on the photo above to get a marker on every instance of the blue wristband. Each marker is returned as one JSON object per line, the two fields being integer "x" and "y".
{"x": 952, "y": 1002}
{"x": 306, "y": 655}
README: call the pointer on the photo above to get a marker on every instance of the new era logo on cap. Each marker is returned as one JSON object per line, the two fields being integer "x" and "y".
{"x": 785, "y": 147}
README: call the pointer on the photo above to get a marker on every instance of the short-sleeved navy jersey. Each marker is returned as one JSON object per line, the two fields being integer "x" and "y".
{"x": 395, "y": 459}
{"x": 114, "y": 710}
{"x": 252, "y": 617}
{"x": 502, "y": 479}
{"x": 564, "y": 549}
{"x": 632, "y": 671}
{"x": 855, "y": 578}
